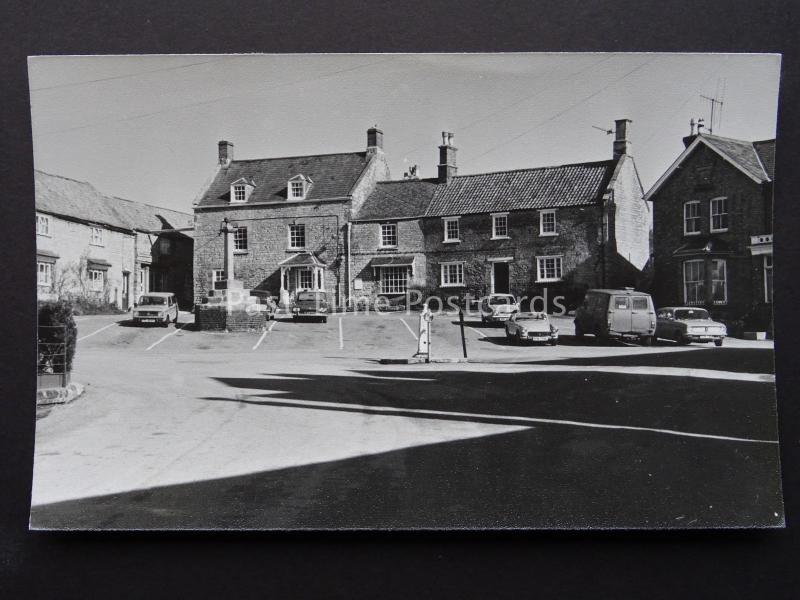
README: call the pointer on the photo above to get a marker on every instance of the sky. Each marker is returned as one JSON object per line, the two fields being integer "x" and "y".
{"x": 146, "y": 127}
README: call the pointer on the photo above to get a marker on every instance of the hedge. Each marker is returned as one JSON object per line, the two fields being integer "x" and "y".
{"x": 57, "y": 313}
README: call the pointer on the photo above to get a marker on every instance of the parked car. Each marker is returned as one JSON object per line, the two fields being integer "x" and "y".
{"x": 685, "y": 324}
{"x": 623, "y": 313}
{"x": 310, "y": 304}
{"x": 531, "y": 327}
{"x": 498, "y": 308}
{"x": 156, "y": 307}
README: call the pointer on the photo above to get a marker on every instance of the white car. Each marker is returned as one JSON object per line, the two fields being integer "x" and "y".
{"x": 531, "y": 327}
{"x": 157, "y": 308}
{"x": 498, "y": 308}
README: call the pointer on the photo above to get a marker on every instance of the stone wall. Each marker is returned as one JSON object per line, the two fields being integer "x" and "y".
{"x": 217, "y": 318}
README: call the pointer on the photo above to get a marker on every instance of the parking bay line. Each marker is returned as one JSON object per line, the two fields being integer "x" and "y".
{"x": 88, "y": 335}
{"x": 154, "y": 344}
{"x": 263, "y": 335}
{"x": 409, "y": 412}
{"x": 341, "y": 339}
{"x": 408, "y": 327}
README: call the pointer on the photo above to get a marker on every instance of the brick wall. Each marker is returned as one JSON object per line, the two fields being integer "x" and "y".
{"x": 749, "y": 206}
{"x": 578, "y": 243}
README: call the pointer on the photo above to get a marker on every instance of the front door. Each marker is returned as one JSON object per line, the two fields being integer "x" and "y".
{"x": 500, "y": 278}
{"x": 126, "y": 290}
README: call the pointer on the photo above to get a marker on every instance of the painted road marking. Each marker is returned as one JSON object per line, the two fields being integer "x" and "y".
{"x": 263, "y": 335}
{"x": 154, "y": 344}
{"x": 341, "y": 339}
{"x": 480, "y": 333}
{"x": 409, "y": 328}
{"x": 312, "y": 404}
{"x": 97, "y": 331}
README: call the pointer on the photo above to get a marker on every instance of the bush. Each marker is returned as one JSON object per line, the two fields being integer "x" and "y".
{"x": 56, "y": 314}
{"x": 87, "y": 305}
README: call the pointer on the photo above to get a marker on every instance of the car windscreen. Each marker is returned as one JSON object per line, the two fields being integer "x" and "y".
{"x": 152, "y": 301}
{"x": 533, "y": 317}
{"x": 495, "y": 300}
{"x": 691, "y": 313}
{"x": 318, "y": 296}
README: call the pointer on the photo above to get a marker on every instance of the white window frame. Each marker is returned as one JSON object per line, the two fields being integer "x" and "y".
{"x": 239, "y": 235}
{"x": 383, "y": 235}
{"x": 397, "y": 277}
{"x": 44, "y": 274}
{"x": 445, "y": 270}
{"x": 97, "y": 280}
{"x": 542, "y": 213}
{"x": 43, "y": 225}
{"x": 724, "y": 215}
{"x": 558, "y": 266}
{"x": 445, "y": 222}
{"x": 97, "y": 236}
{"x": 495, "y": 218}
{"x": 239, "y": 193}
{"x": 217, "y": 275}
{"x": 697, "y": 218}
{"x": 724, "y": 281}
{"x": 289, "y": 236}
{"x": 767, "y": 268}
{"x": 702, "y": 281}
{"x": 301, "y": 272}
{"x": 293, "y": 195}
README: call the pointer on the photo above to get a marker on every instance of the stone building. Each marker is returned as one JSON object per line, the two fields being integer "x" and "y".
{"x": 560, "y": 229}
{"x": 108, "y": 249}
{"x": 291, "y": 215}
{"x": 713, "y": 229}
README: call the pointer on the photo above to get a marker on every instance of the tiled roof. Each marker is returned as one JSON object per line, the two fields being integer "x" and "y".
{"x": 80, "y": 200}
{"x": 333, "y": 176}
{"x": 302, "y": 259}
{"x": 740, "y": 151}
{"x": 766, "y": 152}
{"x": 398, "y": 199}
{"x": 545, "y": 187}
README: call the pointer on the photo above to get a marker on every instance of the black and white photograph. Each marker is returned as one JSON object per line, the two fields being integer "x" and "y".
{"x": 405, "y": 291}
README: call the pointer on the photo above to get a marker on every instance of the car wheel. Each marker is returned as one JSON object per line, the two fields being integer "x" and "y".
{"x": 294, "y": 318}
{"x": 324, "y": 319}
{"x": 519, "y": 339}
{"x": 165, "y": 322}
{"x": 646, "y": 340}
{"x": 176, "y": 318}
{"x": 554, "y": 342}
{"x": 483, "y": 319}
{"x": 683, "y": 341}
{"x": 578, "y": 331}
{"x": 718, "y": 343}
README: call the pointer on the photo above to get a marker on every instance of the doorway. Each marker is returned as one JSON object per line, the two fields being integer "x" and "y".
{"x": 500, "y": 278}
{"x": 126, "y": 290}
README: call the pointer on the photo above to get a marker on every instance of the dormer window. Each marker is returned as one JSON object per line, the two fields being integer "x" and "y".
{"x": 299, "y": 186}
{"x": 241, "y": 190}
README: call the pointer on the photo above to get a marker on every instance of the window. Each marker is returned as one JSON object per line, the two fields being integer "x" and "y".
{"x": 452, "y": 274}
{"x": 719, "y": 284}
{"x": 547, "y": 222}
{"x": 297, "y": 189}
{"x": 691, "y": 218}
{"x": 639, "y": 303}
{"x": 451, "y": 233}
{"x": 694, "y": 282}
{"x": 719, "y": 214}
{"x": 97, "y": 236}
{"x": 548, "y": 268}
{"x": 217, "y": 278}
{"x": 305, "y": 279}
{"x": 621, "y": 302}
{"x": 500, "y": 226}
{"x": 239, "y": 193}
{"x": 240, "y": 239}
{"x": 42, "y": 225}
{"x": 165, "y": 246}
{"x": 96, "y": 280}
{"x": 394, "y": 280}
{"x": 768, "y": 278}
{"x": 297, "y": 237}
{"x": 388, "y": 235}
{"x": 44, "y": 273}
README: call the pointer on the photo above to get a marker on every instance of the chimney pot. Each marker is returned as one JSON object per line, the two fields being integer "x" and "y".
{"x": 621, "y": 143}
{"x": 225, "y": 152}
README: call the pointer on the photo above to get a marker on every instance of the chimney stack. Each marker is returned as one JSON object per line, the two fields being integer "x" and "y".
{"x": 447, "y": 158}
{"x": 621, "y": 143}
{"x": 374, "y": 140}
{"x": 225, "y": 152}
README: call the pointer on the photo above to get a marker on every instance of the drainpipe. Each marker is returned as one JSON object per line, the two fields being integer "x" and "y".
{"x": 347, "y": 265}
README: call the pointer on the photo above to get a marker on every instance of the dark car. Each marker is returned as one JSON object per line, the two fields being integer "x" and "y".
{"x": 623, "y": 313}
{"x": 685, "y": 324}
{"x": 311, "y": 304}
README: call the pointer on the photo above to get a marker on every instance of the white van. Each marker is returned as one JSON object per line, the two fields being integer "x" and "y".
{"x": 617, "y": 314}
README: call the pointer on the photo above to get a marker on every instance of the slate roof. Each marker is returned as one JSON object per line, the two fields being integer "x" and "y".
{"x": 766, "y": 152}
{"x": 398, "y": 199}
{"x": 80, "y": 200}
{"x": 334, "y": 176}
{"x": 392, "y": 260}
{"x": 743, "y": 153}
{"x": 544, "y": 187}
